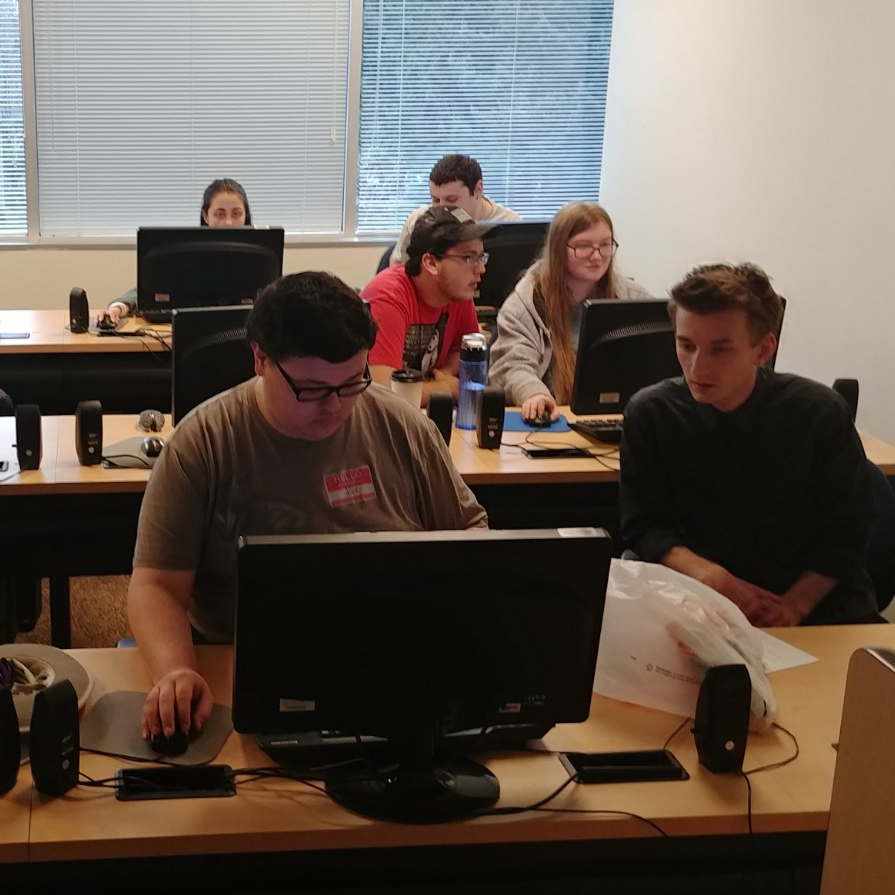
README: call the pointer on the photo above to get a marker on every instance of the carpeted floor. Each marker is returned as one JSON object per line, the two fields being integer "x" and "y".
{"x": 98, "y": 612}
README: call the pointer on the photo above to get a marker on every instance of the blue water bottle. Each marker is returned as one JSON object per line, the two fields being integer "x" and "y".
{"x": 473, "y": 377}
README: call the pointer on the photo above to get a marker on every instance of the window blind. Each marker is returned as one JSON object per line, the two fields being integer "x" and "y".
{"x": 141, "y": 104}
{"x": 517, "y": 84}
{"x": 13, "y": 211}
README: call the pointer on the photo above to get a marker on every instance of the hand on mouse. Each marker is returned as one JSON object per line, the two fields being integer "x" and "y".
{"x": 112, "y": 313}
{"x": 537, "y": 405}
{"x": 189, "y": 691}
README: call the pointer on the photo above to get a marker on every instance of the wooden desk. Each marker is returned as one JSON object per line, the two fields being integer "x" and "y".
{"x": 704, "y": 817}
{"x": 55, "y": 368}
{"x": 66, "y": 519}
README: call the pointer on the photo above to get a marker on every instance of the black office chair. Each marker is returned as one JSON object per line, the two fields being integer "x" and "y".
{"x": 881, "y": 550}
{"x": 7, "y": 408}
{"x": 383, "y": 261}
{"x": 848, "y": 388}
{"x": 20, "y": 605}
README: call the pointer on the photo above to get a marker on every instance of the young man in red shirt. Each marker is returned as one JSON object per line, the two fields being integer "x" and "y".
{"x": 424, "y": 308}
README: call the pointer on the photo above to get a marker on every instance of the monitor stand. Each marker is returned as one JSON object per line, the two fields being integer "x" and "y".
{"x": 419, "y": 788}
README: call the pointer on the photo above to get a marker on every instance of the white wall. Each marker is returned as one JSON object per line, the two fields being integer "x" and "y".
{"x": 764, "y": 130}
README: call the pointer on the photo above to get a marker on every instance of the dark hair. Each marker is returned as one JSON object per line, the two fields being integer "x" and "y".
{"x": 710, "y": 288}
{"x": 456, "y": 167}
{"x": 310, "y": 314}
{"x": 414, "y": 266}
{"x": 215, "y": 188}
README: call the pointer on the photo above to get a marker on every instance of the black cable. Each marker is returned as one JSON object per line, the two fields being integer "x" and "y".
{"x": 778, "y": 764}
{"x": 745, "y": 776}
{"x": 539, "y": 806}
{"x": 675, "y": 732}
{"x": 12, "y": 475}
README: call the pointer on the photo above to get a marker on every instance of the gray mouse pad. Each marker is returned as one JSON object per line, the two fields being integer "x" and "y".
{"x": 128, "y": 453}
{"x": 113, "y": 726}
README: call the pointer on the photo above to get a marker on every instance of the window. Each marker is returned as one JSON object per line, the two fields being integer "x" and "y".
{"x": 518, "y": 85}
{"x": 141, "y": 104}
{"x": 13, "y": 212}
{"x": 330, "y": 112}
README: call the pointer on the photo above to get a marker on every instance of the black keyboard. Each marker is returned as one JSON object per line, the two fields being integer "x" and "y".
{"x": 155, "y": 315}
{"x": 604, "y": 431}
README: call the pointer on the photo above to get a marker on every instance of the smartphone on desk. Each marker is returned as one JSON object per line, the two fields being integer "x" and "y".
{"x": 535, "y": 453}
{"x": 623, "y": 767}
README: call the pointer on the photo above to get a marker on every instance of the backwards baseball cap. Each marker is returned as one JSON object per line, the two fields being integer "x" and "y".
{"x": 440, "y": 227}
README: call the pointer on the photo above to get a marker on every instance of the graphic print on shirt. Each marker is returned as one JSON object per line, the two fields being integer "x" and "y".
{"x": 422, "y": 343}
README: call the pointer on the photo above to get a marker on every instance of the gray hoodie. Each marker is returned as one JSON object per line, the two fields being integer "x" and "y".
{"x": 522, "y": 352}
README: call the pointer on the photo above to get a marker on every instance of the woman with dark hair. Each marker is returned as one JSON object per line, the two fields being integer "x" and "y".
{"x": 224, "y": 204}
{"x": 533, "y": 356}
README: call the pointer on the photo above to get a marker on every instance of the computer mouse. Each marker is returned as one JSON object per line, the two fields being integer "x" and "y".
{"x": 539, "y": 422}
{"x": 176, "y": 744}
{"x": 106, "y": 322}
{"x": 151, "y": 420}
{"x": 152, "y": 445}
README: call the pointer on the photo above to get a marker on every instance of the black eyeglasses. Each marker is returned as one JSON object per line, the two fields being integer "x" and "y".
{"x": 322, "y": 392}
{"x": 470, "y": 260}
{"x": 584, "y": 250}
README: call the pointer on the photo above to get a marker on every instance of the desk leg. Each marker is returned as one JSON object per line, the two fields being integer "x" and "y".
{"x": 60, "y": 612}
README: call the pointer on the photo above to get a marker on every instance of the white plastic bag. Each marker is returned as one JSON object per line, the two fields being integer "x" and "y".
{"x": 662, "y": 629}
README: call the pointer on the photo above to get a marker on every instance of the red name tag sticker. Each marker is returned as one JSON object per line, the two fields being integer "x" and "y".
{"x": 350, "y": 486}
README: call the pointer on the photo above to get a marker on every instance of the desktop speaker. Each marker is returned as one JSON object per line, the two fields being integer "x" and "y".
{"x": 10, "y": 741}
{"x": 55, "y": 741}
{"x": 489, "y": 406}
{"x": 29, "y": 447}
{"x": 78, "y": 311}
{"x": 721, "y": 722}
{"x": 440, "y": 409}
{"x": 89, "y": 432}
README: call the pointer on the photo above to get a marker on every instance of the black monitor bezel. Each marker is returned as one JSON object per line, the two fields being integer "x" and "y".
{"x": 205, "y": 329}
{"x": 510, "y": 244}
{"x": 606, "y": 379}
{"x": 204, "y": 248}
{"x": 563, "y": 555}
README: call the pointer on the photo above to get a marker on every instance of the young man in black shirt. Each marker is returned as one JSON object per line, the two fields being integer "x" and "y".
{"x": 753, "y": 482}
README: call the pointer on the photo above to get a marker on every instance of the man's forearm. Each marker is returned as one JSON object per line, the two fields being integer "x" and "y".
{"x": 162, "y": 630}
{"x": 684, "y": 560}
{"x": 807, "y": 591}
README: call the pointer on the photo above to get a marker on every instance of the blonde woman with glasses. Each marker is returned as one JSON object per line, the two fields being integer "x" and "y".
{"x": 533, "y": 356}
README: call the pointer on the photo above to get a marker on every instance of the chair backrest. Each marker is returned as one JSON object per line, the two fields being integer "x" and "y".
{"x": 383, "y": 261}
{"x": 859, "y": 856}
{"x": 881, "y": 551}
{"x": 848, "y": 388}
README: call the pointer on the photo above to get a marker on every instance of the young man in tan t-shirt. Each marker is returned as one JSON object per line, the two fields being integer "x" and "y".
{"x": 308, "y": 446}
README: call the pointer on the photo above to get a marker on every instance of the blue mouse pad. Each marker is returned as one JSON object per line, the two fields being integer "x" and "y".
{"x": 513, "y": 422}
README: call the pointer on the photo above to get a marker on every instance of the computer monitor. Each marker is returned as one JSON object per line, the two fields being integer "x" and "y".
{"x": 623, "y": 346}
{"x": 209, "y": 354}
{"x": 192, "y": 267}
{"x": 512, "y": 247}
{"x": 413, "y": 638}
